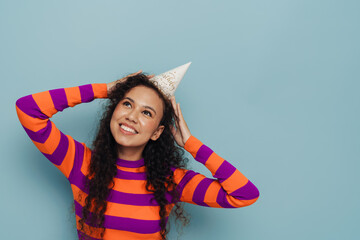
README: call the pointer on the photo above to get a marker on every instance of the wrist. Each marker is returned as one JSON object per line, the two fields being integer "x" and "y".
{"x": 186, "y": 138}
{"x": 100, "y": 90}
{"x": 192, "y": 145}
{"x": 108, "y": 86}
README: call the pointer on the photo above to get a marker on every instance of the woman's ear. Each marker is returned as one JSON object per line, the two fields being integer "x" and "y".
{"x": 157, "y": 133}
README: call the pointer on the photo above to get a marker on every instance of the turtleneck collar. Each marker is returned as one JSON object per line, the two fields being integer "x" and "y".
{"x": 130, "y": 164}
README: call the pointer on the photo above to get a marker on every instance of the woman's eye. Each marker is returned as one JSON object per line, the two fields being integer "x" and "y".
{"x": 147, "y": 113}
{"x": 127, "y": 104}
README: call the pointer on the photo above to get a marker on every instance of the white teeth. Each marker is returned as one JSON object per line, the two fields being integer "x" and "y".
{"x": 127, "y": 128}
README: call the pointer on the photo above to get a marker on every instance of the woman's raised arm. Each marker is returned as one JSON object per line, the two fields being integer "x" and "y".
{"x": 34, "y": 112}
{"x": 228, "y": 189}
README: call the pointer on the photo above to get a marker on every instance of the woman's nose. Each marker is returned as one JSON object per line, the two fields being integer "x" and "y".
{"x": 132, "y": 116}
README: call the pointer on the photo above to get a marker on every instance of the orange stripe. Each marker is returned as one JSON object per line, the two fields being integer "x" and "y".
{"x": 124, "y": 210}
{"x": 33, "y": 124}
{"x": 130, "y": 186}
{"x": 50, "y": 145}
{"x": 211, "y": 194}
{"x": 45, "y": 103}
{"x": 169, "y": 188}
{"x": 193, "y": 145}
{"x": 238, "y": 178}
{"x": 119, "y": 234}
{"x": 135, "y": 212}
{"x": 179, "y": 173}
{"x": 100, "y": 90}
{"x": 73, "y": 96}
{"x": 214, "y": 162}
{"x": 240, "y": 203}
{"x": 86, "y": 160}
{"x": 190, "y": 187}
{"x": 124, "y": 235}
{"x": 68, "y": 162}
{"x": 94, "y": 234}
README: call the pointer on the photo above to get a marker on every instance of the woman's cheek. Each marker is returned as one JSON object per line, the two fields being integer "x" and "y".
{"x": 149, "y": 125}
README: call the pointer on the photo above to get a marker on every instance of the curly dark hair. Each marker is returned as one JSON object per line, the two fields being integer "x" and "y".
{"x": 158, "y": 156}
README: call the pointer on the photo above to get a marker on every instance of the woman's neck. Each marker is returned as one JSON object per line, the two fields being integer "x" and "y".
{"x": 130, "y": 154}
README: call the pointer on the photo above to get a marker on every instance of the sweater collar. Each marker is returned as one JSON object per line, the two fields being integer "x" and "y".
{"x": 130, "y": 164}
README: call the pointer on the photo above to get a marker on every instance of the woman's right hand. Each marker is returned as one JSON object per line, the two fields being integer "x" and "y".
{"x": 112, "y": 84}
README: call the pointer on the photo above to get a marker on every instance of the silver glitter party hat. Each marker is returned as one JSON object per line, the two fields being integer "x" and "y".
{"x": 169, "y": 81}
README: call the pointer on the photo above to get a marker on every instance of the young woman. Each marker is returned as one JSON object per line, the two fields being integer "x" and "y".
{"x": 127, "y": 184}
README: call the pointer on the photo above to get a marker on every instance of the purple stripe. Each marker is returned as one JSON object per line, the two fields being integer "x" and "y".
{"x": 203, "y": 154}
{"x": 200, "y": 191}
{"x": 135, "y": 199}
{"x": 247, "y": 192}
{"x": 125, "y": 224}
{"x": 132, "y": 225}
{"x": 87, "y": 93}
{"x": 76, "y": 177}
{"x": 224, "y": 171}
{"x": 83, "y": 236}
{"x": 221, "y": 199}
{"x": 118, "y": 197}
{"x": 28, "y": 105}
{"x": 130, "y": 175}
{"x": 40, "y": 136}
{"x": 59, "y": 98}
{"x": 59, "y": 154}
{"x": 130, "y": 164}
{"x": 79, "y": 179}
{"x": 187, "y": 177}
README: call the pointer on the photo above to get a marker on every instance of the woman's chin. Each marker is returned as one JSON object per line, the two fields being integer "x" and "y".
{"x": 127, "y": 143}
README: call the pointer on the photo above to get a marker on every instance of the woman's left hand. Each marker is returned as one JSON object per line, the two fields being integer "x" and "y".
{"x": 182, "y": 132}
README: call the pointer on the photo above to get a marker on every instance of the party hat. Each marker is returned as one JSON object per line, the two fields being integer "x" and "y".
{"x": 168, "y": 81}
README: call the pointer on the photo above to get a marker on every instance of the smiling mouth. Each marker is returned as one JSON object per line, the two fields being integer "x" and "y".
{"x": 131, "y": 130}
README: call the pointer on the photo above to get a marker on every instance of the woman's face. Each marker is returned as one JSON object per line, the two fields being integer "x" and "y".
{"x": 136, "y": 118}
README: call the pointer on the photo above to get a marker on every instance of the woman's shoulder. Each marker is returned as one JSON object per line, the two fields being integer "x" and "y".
{"x": 180, "y": 172}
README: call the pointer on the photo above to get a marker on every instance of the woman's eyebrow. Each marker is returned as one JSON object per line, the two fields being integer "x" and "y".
{"x": 132, "y": 100}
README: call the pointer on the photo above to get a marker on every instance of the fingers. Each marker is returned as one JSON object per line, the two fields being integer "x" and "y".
{"x": 173, "y": 130}
{"x": 151, "y": 76}
{"x": 177, "y": 109}
{"x": 184, "y": 129}
{"x": 133, "y": 74}
{"x": 137, "y": 72}
{"x": 180, "y": 113}
{"x": 182, "y": 122}
{"x": 173, "y": 102}
{"x": 177, "y": 123}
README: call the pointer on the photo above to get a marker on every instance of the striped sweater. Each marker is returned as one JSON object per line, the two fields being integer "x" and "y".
{"x": 131, "y": 211}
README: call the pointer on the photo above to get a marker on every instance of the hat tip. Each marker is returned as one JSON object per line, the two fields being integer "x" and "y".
{"x": 187, "y": 64}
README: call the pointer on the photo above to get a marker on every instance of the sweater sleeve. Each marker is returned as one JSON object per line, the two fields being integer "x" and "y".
{"x": 229, "y": 189}
{"x": 34, "y": 112}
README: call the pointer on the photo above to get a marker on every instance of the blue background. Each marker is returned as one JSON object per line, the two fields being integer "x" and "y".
{"x": 273, "y": 88}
